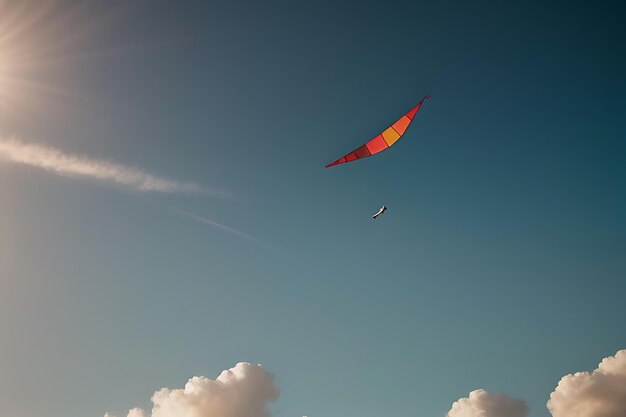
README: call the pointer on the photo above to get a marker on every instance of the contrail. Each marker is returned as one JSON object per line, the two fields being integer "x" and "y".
{"x": 226, "y": 228}
{"x": 70, "y": 165}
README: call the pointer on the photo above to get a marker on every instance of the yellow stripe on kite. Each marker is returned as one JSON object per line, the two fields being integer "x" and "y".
{"x": 390, "y": 136}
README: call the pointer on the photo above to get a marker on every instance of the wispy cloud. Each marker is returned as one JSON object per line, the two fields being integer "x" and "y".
{"x": 225, "y": 228}
{"x": 70, "y": 165}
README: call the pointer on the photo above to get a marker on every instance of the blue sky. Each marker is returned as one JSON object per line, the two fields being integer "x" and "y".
{"x": 499, "y": 264}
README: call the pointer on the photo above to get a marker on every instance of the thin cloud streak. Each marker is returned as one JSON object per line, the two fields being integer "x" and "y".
{"x": 225, "y": 228}
{"x": 70, "y": 165}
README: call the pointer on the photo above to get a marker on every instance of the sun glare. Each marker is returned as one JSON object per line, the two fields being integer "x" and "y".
{"x": 3, "y": 69}
{"x": 37, "y": 42}
{"x": 20, "y": 44}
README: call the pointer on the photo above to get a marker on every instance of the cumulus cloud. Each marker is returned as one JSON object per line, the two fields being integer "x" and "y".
{"x": 58, "y": 162}
{"x": 601, "y": 393}
{"x": 480, "y": 403}
{"x": 135, "y": 412}
{"x": 242, "y": 391}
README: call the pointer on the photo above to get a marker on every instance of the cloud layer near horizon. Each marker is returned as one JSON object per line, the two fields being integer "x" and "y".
{"x": 601, "y": 393}
{"x": 60, "y": 163}
{"x": 480, "y": 403}
{"x": 242, "y": 391}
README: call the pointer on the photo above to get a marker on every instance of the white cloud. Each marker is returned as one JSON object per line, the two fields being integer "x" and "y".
{"x": 58, "y": 162}
{"x": 601, "y": 393}
{"x": 242, "y": 391}
{"x": 135, "y": 412}
{"x": 480, "y": 403}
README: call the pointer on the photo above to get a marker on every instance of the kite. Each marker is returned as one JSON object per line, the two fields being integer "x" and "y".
{"x": 379, "y": 212}
{"x": 384, "y": 140}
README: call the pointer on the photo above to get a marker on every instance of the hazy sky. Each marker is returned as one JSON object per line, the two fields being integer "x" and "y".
{"x": 165, "y": 213}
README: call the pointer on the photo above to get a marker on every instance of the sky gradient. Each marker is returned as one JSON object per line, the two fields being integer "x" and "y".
{"x": 499, "y": 264}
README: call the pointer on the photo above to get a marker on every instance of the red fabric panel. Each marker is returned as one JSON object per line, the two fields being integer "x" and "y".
{"x": 401, "y": 125}
{"x": 411, "y": 113}
{"x": 337, "y": 162}
{"x": 350, "y": 157}
{"x": 376, "y": 145}
{"x": 362, "y": 152}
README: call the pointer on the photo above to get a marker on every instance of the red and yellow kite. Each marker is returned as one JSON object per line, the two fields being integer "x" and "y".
{"x": 383, "y": 141}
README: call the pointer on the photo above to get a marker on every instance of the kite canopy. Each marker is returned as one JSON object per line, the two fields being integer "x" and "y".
{"x": 383, "y": 141}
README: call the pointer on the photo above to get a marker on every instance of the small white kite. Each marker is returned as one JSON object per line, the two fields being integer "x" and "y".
{"x": 379, "y": 212}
